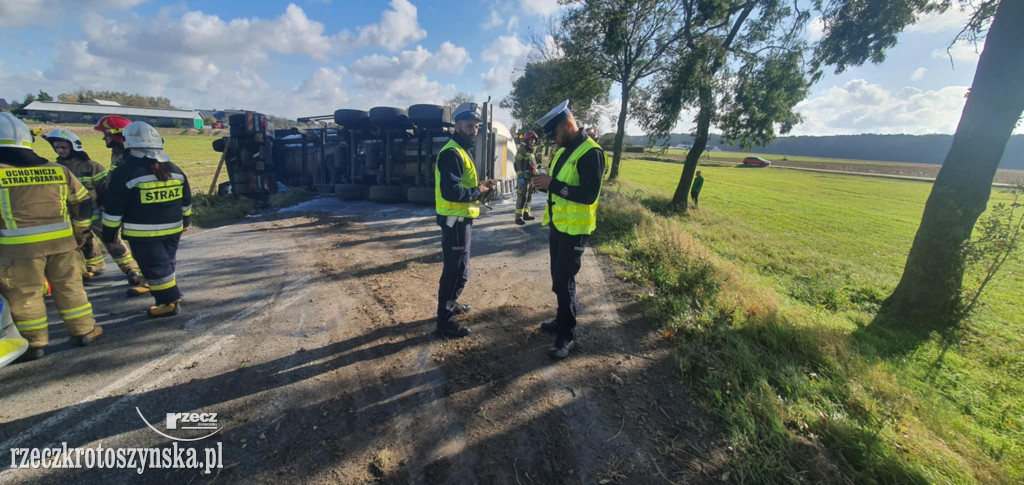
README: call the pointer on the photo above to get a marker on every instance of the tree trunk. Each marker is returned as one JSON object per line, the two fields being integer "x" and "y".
{"x": 620, "y": 134}
{"x": 929, "y": 291}
{"x": 700, "y": 142}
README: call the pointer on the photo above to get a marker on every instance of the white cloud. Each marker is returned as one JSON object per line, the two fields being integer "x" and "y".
{"x": 402, "y": 80}
{"x": 397, "y": 28}
{"x": 952, "y": 20}
{"x": 918, "y": 74}
{"x": 815, "y": 29}
{"x": 202, "y": 60}
{"x": 25, "y": 13}
{"x": 544, "y": 8}
{"x": 862, "y": 107}
{"x": 495, "y": 21}
{"x": 506, "y": 48}
{"x": 505, "y": 54}
{"x": 962, "y": 51}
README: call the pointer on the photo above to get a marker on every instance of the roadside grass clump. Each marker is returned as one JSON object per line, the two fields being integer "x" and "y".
{"x": 212, "y": 210}
{"x": 778, "y": 335}
{"x": 289, "y": 198}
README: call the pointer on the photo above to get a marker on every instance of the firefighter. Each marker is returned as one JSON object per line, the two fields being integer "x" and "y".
{"x": 457, "y": 194}
{"x": 93, "y": 176}
{"x": 149, "y": 200}
{"x": 45, "y": 212}
{"x": 573, "y": 189}
{"x": 526, "y": 168}
{"x": 112, "y": 126}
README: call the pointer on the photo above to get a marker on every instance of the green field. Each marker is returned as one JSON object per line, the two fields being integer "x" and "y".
{"x": 802, "y": 262}
{"x": 737, "y": 156}
{"x": 193, "y": 153}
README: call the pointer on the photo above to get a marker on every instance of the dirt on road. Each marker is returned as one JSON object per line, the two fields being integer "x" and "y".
{"x": 310, "y": 333}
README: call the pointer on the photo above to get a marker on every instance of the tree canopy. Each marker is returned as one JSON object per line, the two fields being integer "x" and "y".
{"x": 546, "y": 83}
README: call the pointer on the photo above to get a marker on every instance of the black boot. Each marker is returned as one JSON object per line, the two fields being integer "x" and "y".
{"x": 33, "y": 353}
{"x": 528, "y": 217}
{"x": 549, "y": 327}
{"x": 452, "y": 331}
{"x": 462, "y": 308}
{"x": 562, "y": 348}
{"x": 520, "y": 221}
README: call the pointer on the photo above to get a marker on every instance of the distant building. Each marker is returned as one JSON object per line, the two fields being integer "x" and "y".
{"x": 91, "y": 113}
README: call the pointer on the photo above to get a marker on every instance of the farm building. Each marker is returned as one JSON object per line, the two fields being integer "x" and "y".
{"x": 91, "y": 113}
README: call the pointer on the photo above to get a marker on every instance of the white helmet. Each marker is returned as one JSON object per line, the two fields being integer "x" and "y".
{"x": 140, "y": 134}
{"x": 68, "y": 136}
{"x": 14, "y": 133}
{"x": 143, "y": 141}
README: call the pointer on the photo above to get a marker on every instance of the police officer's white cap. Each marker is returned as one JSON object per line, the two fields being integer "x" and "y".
{"x": 549, "y": 121}
{"x": 467, "y": 111}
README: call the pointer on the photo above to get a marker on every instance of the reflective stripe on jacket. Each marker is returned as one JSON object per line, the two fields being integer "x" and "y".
{"x": 571, "y": 217}
{"x": 461, "y": 209}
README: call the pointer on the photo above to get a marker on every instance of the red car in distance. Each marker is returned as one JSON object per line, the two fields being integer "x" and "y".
{"x": 756, "y": 162}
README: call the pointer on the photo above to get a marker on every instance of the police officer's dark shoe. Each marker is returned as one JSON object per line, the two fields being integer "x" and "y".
{"x": 462, "y": 308}
{"x": 520, "y": 221}
{"x": 561, "y": 349}
{"x": 84, "y": 340}
{"x": 453, "y": 331}
{"x": 549, "y": 327}
{"x": 33, "y": 353}
{"x": 528, "y": 217}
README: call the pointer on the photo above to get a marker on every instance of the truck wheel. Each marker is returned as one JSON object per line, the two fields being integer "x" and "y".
{"x": 389, "y": 117}
{"x": 420, "y": 195}
{"x": 387, "y": 193}
{"x": 351, "y": 191}
{"x": 430, "y": 115}
{"x": 351, "y": 118}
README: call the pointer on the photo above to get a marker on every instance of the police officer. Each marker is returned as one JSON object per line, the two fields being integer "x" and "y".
{"x": 93, "y": 176}
{"x": 457, "y": 194}
{"x": 44, "y": 213}
{"x": 526, "y": 168}
{"x": 150, "y": 198}
{"x": 573, "y": 189}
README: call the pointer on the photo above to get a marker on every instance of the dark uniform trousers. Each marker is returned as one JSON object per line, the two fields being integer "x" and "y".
{"x": 455, "y": 244}
{"x": 566, "y": 257}
{"x": 158, "y": 259}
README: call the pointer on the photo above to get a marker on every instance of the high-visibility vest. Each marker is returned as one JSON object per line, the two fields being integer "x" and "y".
{"x": 571, "y": 217}
{"x": 34, "y": 204}
{"x": 447, "y": 207}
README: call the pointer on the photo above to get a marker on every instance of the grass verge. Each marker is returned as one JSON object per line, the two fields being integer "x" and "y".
{"x": 804, "y": 379}
{"x": 212, "y": 211}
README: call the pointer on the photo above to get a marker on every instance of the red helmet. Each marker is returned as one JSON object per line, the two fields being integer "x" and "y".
{"x": 113, "y": 125}
{"x": 529, "y": 135}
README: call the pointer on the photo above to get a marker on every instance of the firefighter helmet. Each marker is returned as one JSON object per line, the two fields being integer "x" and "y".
{"x": 113, "y": 125}
{"x": 68, "y": 136}
{"x": 14, "y": 133}
{"x": 140, "y": 134}
{"x": 530, "y": 135}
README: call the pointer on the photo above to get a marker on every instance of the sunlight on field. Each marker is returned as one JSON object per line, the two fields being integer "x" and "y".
{"x": 833, "y": 247}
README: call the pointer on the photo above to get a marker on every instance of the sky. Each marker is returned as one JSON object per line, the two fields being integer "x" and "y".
{"x": 311, "y": 57}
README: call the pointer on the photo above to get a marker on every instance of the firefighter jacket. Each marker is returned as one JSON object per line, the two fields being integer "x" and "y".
{"x": 141, "y": 205}
{"x": 526, "y": 163}
{"x": 92, "y": 175}
{"x": 43, "y": 207}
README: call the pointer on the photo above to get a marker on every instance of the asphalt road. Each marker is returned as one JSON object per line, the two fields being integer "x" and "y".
{"x": 309, "y": 333}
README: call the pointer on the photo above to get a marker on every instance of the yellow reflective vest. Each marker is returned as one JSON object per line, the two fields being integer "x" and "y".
{"x": 36, "y": 216}
{"x": 447, "y": 207}
{"x": 571, "y": 217}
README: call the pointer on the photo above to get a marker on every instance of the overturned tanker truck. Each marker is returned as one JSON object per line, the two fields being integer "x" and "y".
{"x": 385, "y": 154}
